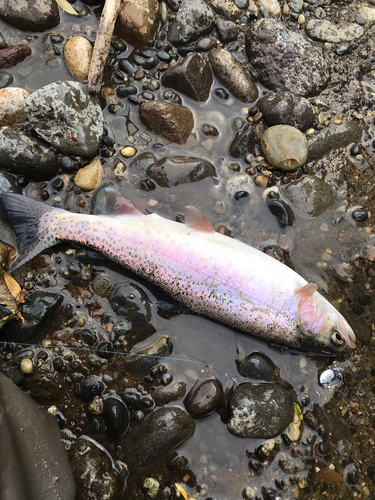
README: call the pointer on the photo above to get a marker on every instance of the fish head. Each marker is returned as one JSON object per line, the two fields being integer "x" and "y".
{"x": 323, "y": 326}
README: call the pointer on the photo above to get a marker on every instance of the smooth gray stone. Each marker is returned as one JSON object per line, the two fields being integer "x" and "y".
{"x": 33, "y": 463}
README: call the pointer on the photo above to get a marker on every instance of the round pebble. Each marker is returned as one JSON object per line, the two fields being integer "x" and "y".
{"x": 27, "y": 366}
{"x": 284, "y": 147}
{"x": 128, "y": 151}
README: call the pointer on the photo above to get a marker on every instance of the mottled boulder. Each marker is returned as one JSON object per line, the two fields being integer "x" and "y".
{"x": 11, "y": 56}
{"x": 195, "y": 18}
{"x": 285, "y": 60}
{"x": 284, "y": 147}
{"x": 192, "y": 77}
{"x": 38, "y": 15}
{"x": 138, "y": 21}
{"x": 23, "y": 153}
{"x": 231, "y": 73}
{"x": 309, "y": 196}
{"x": 203, "y": 398}
{"x": 323, "y": 30}
{"x": 173, "y": 122}
{"x": 285, "y": 108}
{"x": 260, "y": 411}
{"x": 33, "y": 463}
{"x": 162, "y": 432}
{"x": 11, "y": 105}
{"x": 66, "y": 116}
{"x": 176, "y": 170}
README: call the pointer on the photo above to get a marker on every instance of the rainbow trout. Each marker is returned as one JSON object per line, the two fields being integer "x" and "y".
{"x": 215, "y": 276}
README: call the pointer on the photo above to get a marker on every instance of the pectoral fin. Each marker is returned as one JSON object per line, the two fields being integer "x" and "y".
{"x": 307, "y": 290}
{"x": 196, "y": 220}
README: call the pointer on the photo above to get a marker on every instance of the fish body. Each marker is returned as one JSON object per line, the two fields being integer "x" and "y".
{"x": 216, "y": 276}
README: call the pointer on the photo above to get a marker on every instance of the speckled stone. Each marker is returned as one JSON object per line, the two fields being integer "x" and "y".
{"x": 326, "y": 31}
{"x": 11, "y": 105}
{"x": 231, "y": 73}
{"x": 77, "y": 54}
{"x": 38, "y": 15}
{"x": 368, "y": 14}
{"x": 226, "y": 8}
{"x": 195, "y": 18}
{"x": 284, "y": 147}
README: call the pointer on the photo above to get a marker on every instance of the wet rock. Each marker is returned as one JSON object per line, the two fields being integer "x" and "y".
{"x": 257, "y": 366}
{"x": 271, "y": 6}
{"x": 45, "y": 384}
{"x": 192, "y": 77}
{"x": 255, "y": 411}
{"x": 142, "y": 162}
{"x": 101, "y": 285}
{"x": 173, "y": 122}
{"x": 38, "y": 307}
{"x": 227, "y": 30}
{"x": 281, "y": 211}
{"x": 164, "y": 394}
{"x": 243, "y": 143}
{"x": 162, "y": 432}
{"x": 334, "y": 137}
{"x": 22, "y": 153}
{"x": 285, "y": 108}
{"x": 33, "y": 463}
{"x": 231, "y": 73}
{"x": 66, "y": 116}
{"x": 116, "y": 417}
{"x": 309, "y": 195}
{"x": 284, "y": 147}
{"x": 239, "y": 183}
{"x": 11, "y": 56}
{"x": 129, "y": 300}
{"x": 195, "y": 18}
{"x": 3, "y": 43}
{"x": 173, "y": 171}
{"x": 323, "y": 30}
{"x": 30, "y": 16}
{"x": 11, "y": 105}
{"x": 6, "y": 79}
{"x": 226, "y": 8}
{"x": 91, "y": 387}
{"x": 77, "y": 55}
{"x": 93, "y": 471}
{"x": 285, "y": 60}
{"x": 90, "y": 177}
{"x": 333, "y": 377}
{"x": 141, "y": 360}
{"x": 11, "y": 371}
{"x": 203, "y": 398}
{"x": 368, "y": 14}
{"x": 139, "y": 21}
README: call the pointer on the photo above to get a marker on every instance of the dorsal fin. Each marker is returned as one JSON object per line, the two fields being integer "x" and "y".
{"x": 196, "y": 220}
{"x": 118, "y": 204}
{"x": 307, "y": 290}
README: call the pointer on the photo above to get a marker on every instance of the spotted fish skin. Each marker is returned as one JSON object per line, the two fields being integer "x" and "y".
{"x": 216, "y": 276}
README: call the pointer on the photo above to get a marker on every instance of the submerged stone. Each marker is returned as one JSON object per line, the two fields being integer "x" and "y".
{"x": 203, "y": 398}
{"x": 173, "y": 171}
{"x": 309, "y": 195}
{"x": 257, "y": 366}
{"x": 141, "y": 360}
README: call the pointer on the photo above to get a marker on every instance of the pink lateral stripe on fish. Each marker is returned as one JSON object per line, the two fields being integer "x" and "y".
{"x": 216, "y": 276}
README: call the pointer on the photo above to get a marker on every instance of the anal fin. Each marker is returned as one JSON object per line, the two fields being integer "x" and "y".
{"x": 196, "y": 220}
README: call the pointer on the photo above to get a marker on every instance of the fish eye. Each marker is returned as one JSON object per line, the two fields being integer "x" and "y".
{"x": 337, "y": 338}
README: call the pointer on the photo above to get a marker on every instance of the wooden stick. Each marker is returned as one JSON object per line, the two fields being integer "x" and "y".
{"x": 102, "y": 43}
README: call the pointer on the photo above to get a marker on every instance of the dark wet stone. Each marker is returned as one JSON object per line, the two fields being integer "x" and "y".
{"x": 91, "y": 460}
{"x": 284, "y": 147}
{"x": 310, "y": 419}
{"x": 139, "y": 21}
{"x": 33, "y": 463}
{"x": 91, "y": 387}
{"x": 162, "y": 432}
{"x": 8, "y": 184}
{"x": 285, "y": 60}
{"x": 116, "y": 417}
{"x": 66, "y": 116}
{"x": 360, "y": 216}
{"x": 281, "y": 211}
{"x": 126, "y": 90}
{"x": 11, "y": 371}
{"x": 101, "y": 285}
{"x": 334, "y": 137}
{"x": 131, "y": 397}
{"x": 257, "y": 366}
{"x": 227, "y": 30}
{"x": 326, "y": 31}
{"x": 210, "y": 130}
{"x": 173, "y": 122}
{"x": 6, "y": 79}
{"x": 309, "y": 195}
{"x": 30, "y": 16}
{"x": 163, "y": 395}
{"x": 11, "y": 56}
{"x": 231, "y": 73}
{"x": 192, "y": 77}
{"x": 285, "y": 108}
{"x": 37, "y": 309}
{"x": 203, "y": 398}
{"x": 45, "y": 384}
{"x": 127, "y": 67}
{"x": 141, "y": 359}
{"x": 173, "y": 171}
{"x": 3, "y": 43}
{"x": 205, "y": 44}
{"x": 194, "y": 19}
{"x": 129, "y": 300}
{"x": 255, "y": 411}
{"x": 243, "y": 143}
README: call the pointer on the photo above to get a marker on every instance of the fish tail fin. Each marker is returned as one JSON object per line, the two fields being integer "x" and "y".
{"x": 25, "y": 217}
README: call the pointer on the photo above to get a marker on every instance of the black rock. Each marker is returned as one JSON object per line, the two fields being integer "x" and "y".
{"x": 127, "y": 67}
{"x": 173, "y": 171}
{"x": 285, "y": 108}
{"x": 30, "y": 16}
{"x": 360, "y": 215}
{"x": 130, "y": 301}
{"x": 3, "y": 44}
{"x": 11, "y": 371}
{"x": 243, "y": 143}
{"x": 141, "y": 359}
{"x": 163, "y": 395}
{"x": 116, "y": 417}
{"x": 8, "y": 184}
{"x": 67, "y": 117}
{"x": 163, "y": 431}
{"x": 126, "y": 90}
{"x": 195, "y": 18}
{"x": 45, "y": 384}
{"x": 33, "y": 462}
{"x": 25, "y": 154}
{"x": 281, "y": 211}
{"x": 131, "y": 397}
{"x": 192, "y": 76}
{"x": 257, "y": 366}
{"x": 227, "y": 30}
{"x": 91, "y": 387}
{"x": 203, "y": 398}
